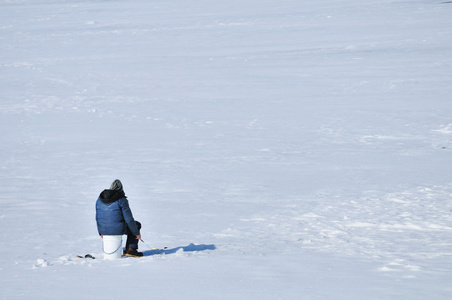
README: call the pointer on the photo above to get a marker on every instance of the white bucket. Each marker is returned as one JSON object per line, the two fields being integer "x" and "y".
{"x": 112, "y": 246}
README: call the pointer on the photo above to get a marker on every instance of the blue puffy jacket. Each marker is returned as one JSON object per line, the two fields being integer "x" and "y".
{"x": 113, "y": 214}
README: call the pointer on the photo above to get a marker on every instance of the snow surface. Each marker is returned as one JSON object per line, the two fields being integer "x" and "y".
{"x": 280, "y": 149}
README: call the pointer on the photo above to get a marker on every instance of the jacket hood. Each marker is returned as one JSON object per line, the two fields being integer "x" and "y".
{"x": 110, "y": 196}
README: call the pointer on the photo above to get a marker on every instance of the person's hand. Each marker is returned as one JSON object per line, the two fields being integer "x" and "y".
{"x": 101, "y": 236}
{"x": 139, "y": 237}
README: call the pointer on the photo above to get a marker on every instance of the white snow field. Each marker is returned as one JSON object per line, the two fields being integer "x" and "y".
{"x": 280, "y": 149}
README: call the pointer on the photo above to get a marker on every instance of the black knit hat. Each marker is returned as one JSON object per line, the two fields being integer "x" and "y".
{"x": 116, "y": 185}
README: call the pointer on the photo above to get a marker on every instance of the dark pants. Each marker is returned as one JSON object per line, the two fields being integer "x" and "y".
{"x": 132, "y": 241}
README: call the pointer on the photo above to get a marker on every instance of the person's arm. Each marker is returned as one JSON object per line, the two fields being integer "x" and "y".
{"x": 97, "y": 222}
{"x": 128, "y": 217}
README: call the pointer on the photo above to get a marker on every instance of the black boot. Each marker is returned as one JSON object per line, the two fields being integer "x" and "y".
{"x": 133, "y": 253}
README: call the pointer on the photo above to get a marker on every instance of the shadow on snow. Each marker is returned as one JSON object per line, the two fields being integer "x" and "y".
{"x": 189, "y": 248}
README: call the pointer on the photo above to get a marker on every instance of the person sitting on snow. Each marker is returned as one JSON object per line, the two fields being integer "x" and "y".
{"x": 114, "y": 217}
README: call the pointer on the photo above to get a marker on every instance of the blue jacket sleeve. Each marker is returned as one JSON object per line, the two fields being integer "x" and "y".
{"x": 128, "y": 217}
{"x": 97, "y": 218}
